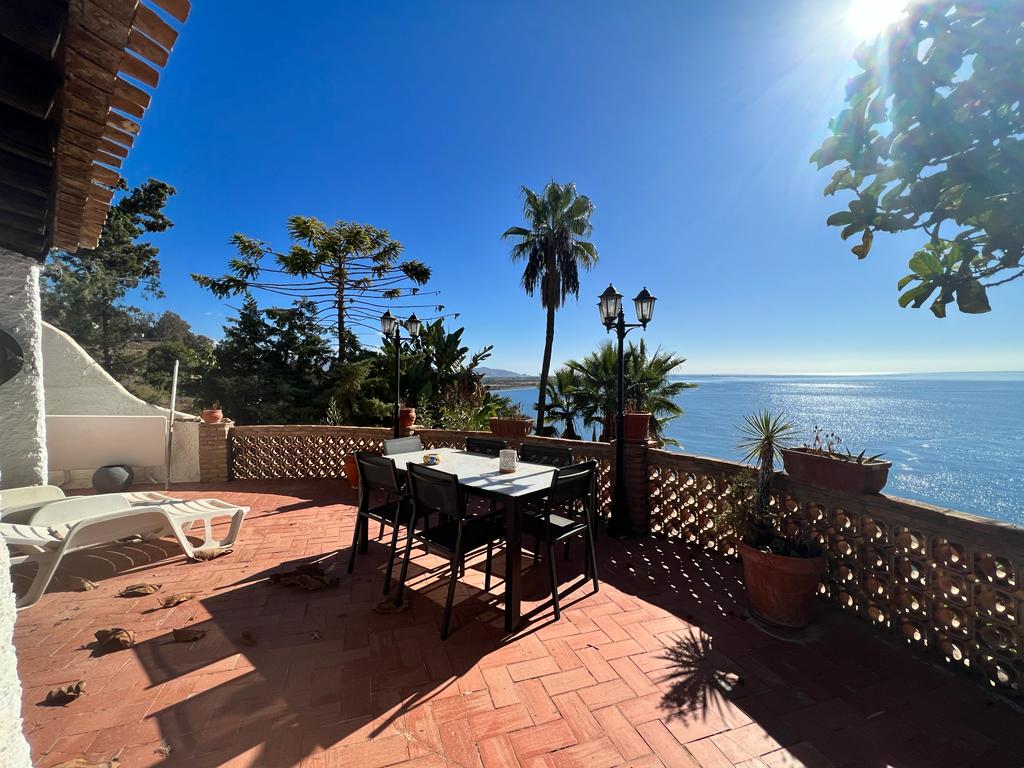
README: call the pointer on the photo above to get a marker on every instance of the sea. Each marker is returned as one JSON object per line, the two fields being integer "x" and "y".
{"x": 955, "y": 440}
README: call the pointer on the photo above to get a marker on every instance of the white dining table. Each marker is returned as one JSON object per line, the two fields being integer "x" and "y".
{"x": 478, "y": 473}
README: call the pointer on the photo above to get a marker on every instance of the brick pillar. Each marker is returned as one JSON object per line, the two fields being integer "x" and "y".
{"x": 636, "y": 476}
{"x": 215, "y": 452}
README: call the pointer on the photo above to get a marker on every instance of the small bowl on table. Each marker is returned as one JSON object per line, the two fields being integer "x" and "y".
{"x": 431, "y": 459}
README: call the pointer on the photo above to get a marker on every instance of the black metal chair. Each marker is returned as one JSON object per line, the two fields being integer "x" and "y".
{"x": 378, "y": 473}
{"x": 568, "y": 510}
{"x": 456, "y": 535}
{"x": 403, "y": 445}
{"x": 551, "y": 455}
{"x": 488, "y": 445}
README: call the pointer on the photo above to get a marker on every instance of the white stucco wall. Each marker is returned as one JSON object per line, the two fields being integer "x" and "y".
{"x": 76, "y": 385}
{"x": 22, "y": 462}
{"x": 14, "y": 751}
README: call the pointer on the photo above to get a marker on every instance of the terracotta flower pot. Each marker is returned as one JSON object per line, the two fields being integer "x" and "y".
{"x": 352, "y": 470}
{"x": 636, "y": 427}
{"x": 835, "y": 474}
{"x": 511, "y": 426}
{"x": 781, "y": 589}
{"x": 406, "y": 417}
{"x": 212, "y": 415}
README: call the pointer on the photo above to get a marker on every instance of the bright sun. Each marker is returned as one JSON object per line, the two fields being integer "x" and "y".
{"x": 868, "y": 17}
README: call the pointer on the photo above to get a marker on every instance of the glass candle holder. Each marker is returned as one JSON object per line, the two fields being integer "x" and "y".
{"x": 507, "y": 460}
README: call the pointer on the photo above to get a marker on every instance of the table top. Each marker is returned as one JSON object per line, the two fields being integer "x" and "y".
{"x": 479, "y": 471}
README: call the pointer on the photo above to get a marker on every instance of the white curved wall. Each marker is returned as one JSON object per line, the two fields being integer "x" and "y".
{"x": 76, "y": 385}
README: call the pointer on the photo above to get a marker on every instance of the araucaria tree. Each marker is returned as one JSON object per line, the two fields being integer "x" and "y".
{"x": 553, "y": 247}
{"x": 932, "y": 139}
{"x": 348, "y": 272}
{"x": 84, "y": 292}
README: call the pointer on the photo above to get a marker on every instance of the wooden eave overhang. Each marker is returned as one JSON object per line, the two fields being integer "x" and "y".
{"x": 75, "y": 81}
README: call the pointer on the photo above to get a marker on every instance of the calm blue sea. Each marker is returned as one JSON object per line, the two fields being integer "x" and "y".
{"x": 956, "y": 440}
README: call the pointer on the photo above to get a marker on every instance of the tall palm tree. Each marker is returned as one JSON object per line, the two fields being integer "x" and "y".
{"x": 648, "y": 388}
{"x": 553, "y": 248}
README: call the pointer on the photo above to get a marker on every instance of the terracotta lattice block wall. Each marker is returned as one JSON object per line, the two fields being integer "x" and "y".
{"x": 941, "y": 580}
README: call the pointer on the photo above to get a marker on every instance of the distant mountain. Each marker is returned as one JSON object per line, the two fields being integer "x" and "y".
{"x": 501, "y": 373}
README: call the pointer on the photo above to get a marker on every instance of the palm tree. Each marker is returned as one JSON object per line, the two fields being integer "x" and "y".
{"x": 648, "y": 388}
{"x": 553, "y": 248}
{"x": 561, "y": 392}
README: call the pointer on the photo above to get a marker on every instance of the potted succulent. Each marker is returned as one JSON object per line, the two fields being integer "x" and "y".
{"x": 636, "y": 424}
{"x": 213, "y": 414}
{"x": 512, "y": 424}
{"x": 826, "y": 464}
{"x": 781, "y": 569}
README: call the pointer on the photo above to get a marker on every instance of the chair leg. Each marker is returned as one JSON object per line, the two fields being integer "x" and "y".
{"x": 391, "y": 554}
{"x": 404, "y": 572}
{"x": 380, "y": 531}
{"x": 355, "y": 543}
{"x": 487, "y": 567}
{"x": 450, "y": 599}
{"x": 47, "y": 567}
{"x": 592, "y": 559}
{"x": 554, "y": 581}
{"x": 536, "y": 550}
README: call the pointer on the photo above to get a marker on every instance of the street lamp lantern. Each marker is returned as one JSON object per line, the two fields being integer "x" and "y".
{"x": 644, "y": 303}
{"x": 391, "y": 327}
{"x": 610, "y": 304}
{"x": 413, "y": 325}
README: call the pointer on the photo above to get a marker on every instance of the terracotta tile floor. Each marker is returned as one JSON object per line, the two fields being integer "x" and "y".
{"x": 657, "y": 669}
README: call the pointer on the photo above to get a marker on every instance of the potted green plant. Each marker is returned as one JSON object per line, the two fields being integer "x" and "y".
{"x": 825, "y": 463}
{"x": 512, "y": 423}
{"x": 213, "y": 414}
{"x": 636, "y": 424}
{"x": 781, "y": 570}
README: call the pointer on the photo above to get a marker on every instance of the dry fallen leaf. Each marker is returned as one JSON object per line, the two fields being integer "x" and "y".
{"x": 83, "y": 585}
{"x": 210, "y": 554}
{"x": 315, "y": 635}
{"x": 114, "y": 639}
{"x": 176, "y": 599}
{"x": 60, "y": 697}
{"x": 248, "y": 638}
{"x": 309, "y": 576}
{"x": 187, "y": 635}
{"x": 139, "y": 590}
{"x": 164, "y": 750}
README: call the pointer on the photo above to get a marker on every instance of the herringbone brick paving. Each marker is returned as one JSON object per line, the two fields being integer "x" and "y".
{"x": 659, "y": 668}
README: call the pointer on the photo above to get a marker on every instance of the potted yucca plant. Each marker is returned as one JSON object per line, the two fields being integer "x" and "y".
{"x": 782, "y": 572}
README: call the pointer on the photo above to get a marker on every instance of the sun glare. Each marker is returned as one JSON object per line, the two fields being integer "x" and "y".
{"x": 869, "y": 17}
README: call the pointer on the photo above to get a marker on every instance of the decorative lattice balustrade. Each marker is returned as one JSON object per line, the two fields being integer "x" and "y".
{"x": 287, "y": 452}
{"x": 945, "y": 581}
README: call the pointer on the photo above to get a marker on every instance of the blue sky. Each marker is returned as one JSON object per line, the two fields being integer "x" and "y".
{"x": 689, "y": 124}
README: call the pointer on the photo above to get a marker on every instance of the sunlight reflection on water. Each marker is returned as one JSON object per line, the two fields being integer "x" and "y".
{"x": 955, "y": 441}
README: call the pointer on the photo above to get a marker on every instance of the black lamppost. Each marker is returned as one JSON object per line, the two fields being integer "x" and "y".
{"x": 610, "y": 305}
{"x": 391, "y": 327}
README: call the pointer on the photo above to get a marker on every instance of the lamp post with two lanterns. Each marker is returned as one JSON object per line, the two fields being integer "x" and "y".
{"x": 391, "y": 327}
{"x": 613, "y": 319}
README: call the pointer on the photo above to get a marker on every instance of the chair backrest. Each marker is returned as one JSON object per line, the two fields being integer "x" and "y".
{"x": 377, "y": 473}
{"x": 572, "y": 483}
{"x": 552, "y": 455}
{"x": 488, "y": 445}
{"x": 435, "y": 491}
{"x": 402, "y": 445}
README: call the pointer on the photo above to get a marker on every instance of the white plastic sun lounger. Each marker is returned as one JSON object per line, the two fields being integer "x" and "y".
{"x": 17, "y": 504}
{"x": 45, "y": 542}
